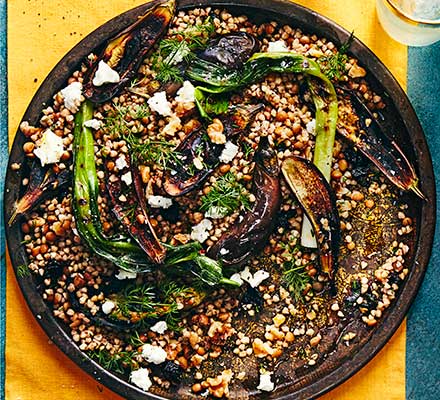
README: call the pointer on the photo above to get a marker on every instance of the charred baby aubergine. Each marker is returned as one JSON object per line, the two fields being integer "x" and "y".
{"x": 317, "y": 200}
{"x": 122, "y": 56}
{"x": 251, "y": 234}
{"x": 199, "y": 156}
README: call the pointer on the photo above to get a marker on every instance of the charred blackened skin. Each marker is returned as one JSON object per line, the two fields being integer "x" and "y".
{"x": 381, "y": 150}
{"x": 184, "y": 176}
{"x": 132, "y": 212}
{"x": 125, "y": 52}
{"x": 318, "y": 202}
{"x": 43, "y": 182}
{"x": 231, "y": 50}
{"x": 251, "y": 234}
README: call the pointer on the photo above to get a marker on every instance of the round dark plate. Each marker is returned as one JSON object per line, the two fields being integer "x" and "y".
{"x": 399, "y": 114}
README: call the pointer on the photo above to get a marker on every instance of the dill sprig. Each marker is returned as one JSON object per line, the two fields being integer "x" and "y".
{"x": 116, "y": 123}
{"x": 158, "y": 152}
{"x": 334, "y": 66}
{"x": 179, "y": 47}
{"x": 295, "y": 278}
{"x": 23, "y": 271}
{"x": 118, "y": 362}
{"x": 227, "y": 193}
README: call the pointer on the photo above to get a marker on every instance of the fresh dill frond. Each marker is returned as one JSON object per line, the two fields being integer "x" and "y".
{"x": 179, "y": 47}
{"x": 334, "y": 66}
{"x": 118, "y": 362}
{"x": 247, "y": 149}
{"x": 157, "y": 152}
{"x": 227, "y": 193}
{"x": 117, "y": 120}
{"x": 23, "y": 271}
{"x": 295, "y": 278}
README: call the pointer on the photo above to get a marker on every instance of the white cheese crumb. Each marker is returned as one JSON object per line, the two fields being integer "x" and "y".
{"x": 186, "y": 93}
{"x": 121, "y": 163}
{"x": 108, "y": 306}
{"x": 154, "y": 354}
{"x": 126, "y": 178}
{"x": 224, "y": 251}
{"x": 311, "y": 126}
{"x": 125, "y": 275}
{"x": 229, "y": 152}
{"x": 159, "y": 202}
{"x": 93, "y": 123}
{"x": 72, "y": 96}
{"x": 173, "y": 125}
{"x": 216, "y": 212}
{"x": 254, "y": 280}
{"x": 50, "y": 149}
{"x": 277, "y": 47}
{"x": 265, "y": 383}
{"x": 141, "y": 378}
{"x": 200, "y": 232}
{"x": 160, "y": 104}
{"x": 159, "y": 327}
{"x": 105, "y": 74}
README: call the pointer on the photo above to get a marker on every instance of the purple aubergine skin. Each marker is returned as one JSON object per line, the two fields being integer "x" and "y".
{"x": 134, "y": 43}
{"x": 249, "y": 236}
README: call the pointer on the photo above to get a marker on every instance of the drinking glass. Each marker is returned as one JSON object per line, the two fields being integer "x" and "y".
{"x": 412, "y": 22}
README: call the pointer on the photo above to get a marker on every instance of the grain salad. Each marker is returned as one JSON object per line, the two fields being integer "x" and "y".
{"x": 191, "y": 218}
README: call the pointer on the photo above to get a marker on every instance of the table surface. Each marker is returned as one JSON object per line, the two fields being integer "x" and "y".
{"x": 41, "y": 32}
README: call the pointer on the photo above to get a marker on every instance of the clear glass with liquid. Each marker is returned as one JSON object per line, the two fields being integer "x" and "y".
{"x": 412, "y": 22}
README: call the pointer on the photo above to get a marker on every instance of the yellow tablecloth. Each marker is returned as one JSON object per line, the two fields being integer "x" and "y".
{"x": 40, "y": 32}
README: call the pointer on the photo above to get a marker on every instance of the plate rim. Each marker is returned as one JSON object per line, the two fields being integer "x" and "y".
{"x": 401, "y": 304}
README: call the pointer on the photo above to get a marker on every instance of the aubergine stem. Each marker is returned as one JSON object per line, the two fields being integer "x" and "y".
{"x": 42, "y": 183}
{"x": 126, "y": 51}
{"x": 251, "y": 234}
{"x": 125, "y": 255}
{"x": 316, "y": 199}
{"x": 382, "y": 151}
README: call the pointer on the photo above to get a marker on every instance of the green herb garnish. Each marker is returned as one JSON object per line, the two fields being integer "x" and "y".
{"x": 334, "y": 66}
{"x": 295, "y": 278}
{"x": 227, "y": 193}
{"x": 117, "y": 362}
{"x": 116, "y": 124}
{"x": 23, "y": 271}
{"x": 157, "y": 152}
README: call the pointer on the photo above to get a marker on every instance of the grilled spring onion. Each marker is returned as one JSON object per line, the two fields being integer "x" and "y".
{"x": 218, "y": 79}
{"x": 85, "y": 201}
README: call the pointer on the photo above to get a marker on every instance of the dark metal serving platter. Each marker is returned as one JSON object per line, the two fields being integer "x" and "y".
{"x": 398, "y": 114}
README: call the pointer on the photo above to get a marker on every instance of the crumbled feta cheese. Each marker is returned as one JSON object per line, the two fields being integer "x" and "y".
{"x": 200, "y": 232}
{"x": 72, "y": 96}
{"x": 216, "y": 212}
{"x": 141, "y": 378}
{"x": 277, "y": 47}
{"x": 93, "y": 123}
{"x": 173, "y": 125}
{"x": 159, "y": 202}
{"x": 105, "y": 74}
{"x": 311, "y": 126}
{"x": 108, "y": 306}
{"x": 154, "y": 354}
{"x": 186, "y": 93}
{"x": 159, "y": 327}
{"x": 121, "y": 163}
{"x": 160, "y": 104}
{"x": 50, "y": 149}
{"x": 126, "y": 178}
{"x": 224, "y": 251}
{"x": 265, "y": 383}
{"x": 125, "y": 275}
{"x": 229, "y": 152}
{"x": 254, "y": 280}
